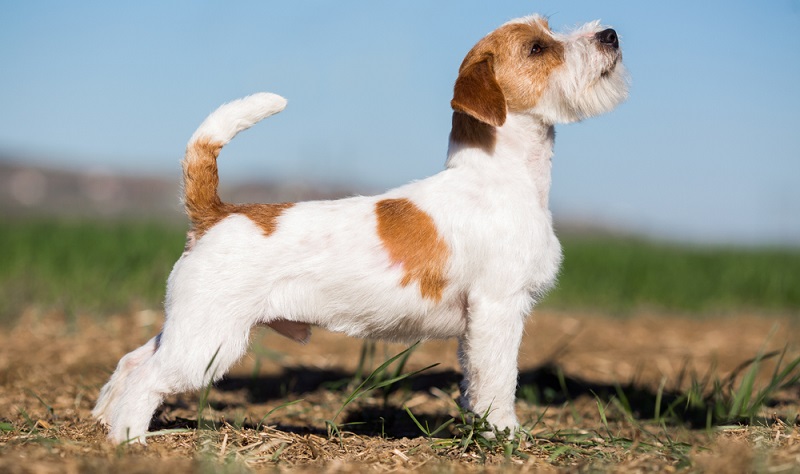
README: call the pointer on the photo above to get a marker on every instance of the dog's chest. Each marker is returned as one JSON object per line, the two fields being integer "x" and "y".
{"x": 538, "y": 258}
{"x": 544, "y": 266}
{"x": 507, "y": 243}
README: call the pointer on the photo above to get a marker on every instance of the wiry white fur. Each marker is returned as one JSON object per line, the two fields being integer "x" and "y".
{"x": 228, "y": 120}
{"x": 325, "y": 265}
{"x": 591, "y": 82}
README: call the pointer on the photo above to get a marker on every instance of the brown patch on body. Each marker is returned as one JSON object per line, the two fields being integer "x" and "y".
{"x": 508, "y": 69}
{"x": 264, "y": 215}
{"x": 204, "y": 206}
{"x": 410, "y": 237}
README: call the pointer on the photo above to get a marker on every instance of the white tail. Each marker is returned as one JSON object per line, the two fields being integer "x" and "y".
{"x": 228, "y": 120}
{"x": 200, "y": 176}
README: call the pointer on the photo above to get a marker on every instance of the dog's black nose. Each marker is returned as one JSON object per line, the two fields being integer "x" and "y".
{"x": 608, "y": 37}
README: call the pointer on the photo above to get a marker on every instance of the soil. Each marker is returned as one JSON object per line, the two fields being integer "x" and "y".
{"x": 573, "y": 368}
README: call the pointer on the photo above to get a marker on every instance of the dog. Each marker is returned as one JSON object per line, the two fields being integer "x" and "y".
{"x": 463, "y": 254}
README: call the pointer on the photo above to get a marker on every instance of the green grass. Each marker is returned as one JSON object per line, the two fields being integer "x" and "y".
{"x": 101, "y": 267}
{"x": 620, "y": 275}
{"x": 75, "y": 266}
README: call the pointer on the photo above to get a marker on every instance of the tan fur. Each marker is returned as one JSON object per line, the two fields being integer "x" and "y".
{"x": 497, "y": 75}
{"x": 472, "y": 132}
{"x": 204, "y": 206}
{"x": 200, "y": 182}
{"x": 478, "y": 94}
{"x": 411, "y": 239}
{"x": 517, "y": 70}
{"x": 264, "y": 215}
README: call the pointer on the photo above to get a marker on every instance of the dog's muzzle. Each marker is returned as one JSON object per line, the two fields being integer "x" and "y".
{"x": 608, "y": 37}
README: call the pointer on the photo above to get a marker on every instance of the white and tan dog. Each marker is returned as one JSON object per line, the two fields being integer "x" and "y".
{"x": 465, "y": 253}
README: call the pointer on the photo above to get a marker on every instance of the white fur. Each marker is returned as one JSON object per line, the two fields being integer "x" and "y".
{"x": 575, "y": 91}
{"x": 238, "y": 115}
{"x": 325, "y": 265}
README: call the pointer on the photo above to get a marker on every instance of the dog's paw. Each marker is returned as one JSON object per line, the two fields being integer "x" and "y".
{"x": 102, "y": 419}
{"x": 126, "y": 437}
{"x": 493, "y": 423}
{"x": 502, "y": 422}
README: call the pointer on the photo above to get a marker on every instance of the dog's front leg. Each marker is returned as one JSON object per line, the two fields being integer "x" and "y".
{"x": 488, "y": 354}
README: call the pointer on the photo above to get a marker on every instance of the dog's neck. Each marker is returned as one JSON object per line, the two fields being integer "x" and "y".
{"x": 524, "y": 144}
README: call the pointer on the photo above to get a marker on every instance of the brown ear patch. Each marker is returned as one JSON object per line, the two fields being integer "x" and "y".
{"x": 478, "y": 94}
{"x": 409, "y": 236}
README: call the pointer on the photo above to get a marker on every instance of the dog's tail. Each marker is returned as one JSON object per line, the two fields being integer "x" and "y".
{"x": 200, "y": 178}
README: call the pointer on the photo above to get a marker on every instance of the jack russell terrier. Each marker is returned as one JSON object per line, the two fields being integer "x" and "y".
{"x": 465, "y": 253}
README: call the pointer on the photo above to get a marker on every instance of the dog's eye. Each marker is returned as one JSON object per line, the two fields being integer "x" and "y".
{"x": 536, "y": 49}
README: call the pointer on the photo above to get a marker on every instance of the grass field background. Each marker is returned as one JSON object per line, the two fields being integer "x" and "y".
{"x": 115, "y": 265}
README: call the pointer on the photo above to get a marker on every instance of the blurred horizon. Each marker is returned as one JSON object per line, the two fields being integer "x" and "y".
{"x": 705, "y": 150}
{"x": 40, "y": 191}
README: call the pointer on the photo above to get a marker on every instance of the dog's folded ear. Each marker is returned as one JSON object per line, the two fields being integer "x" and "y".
{"x": 478, "y": 94}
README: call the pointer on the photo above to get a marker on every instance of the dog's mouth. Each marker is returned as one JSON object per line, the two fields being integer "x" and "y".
{"x": 611, "y": 68}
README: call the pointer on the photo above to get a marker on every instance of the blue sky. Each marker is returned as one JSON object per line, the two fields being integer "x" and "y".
{"x": 707, "y": 147}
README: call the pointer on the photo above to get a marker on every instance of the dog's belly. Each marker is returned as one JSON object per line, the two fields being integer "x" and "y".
{"x": 390, "y": 312}
{"x": 441, "y": 322}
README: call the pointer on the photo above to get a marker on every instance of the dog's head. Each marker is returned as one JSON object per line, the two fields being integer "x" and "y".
{"x": 523, "y": 67}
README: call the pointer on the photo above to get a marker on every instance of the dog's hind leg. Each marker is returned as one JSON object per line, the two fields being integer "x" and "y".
{"x": 129, "y": 413}
{"x": 112, "y": 388}
{"x": 192, "y": 352}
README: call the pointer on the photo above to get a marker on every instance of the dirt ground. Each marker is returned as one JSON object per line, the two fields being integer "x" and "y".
{"x": 571, "y": 365}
